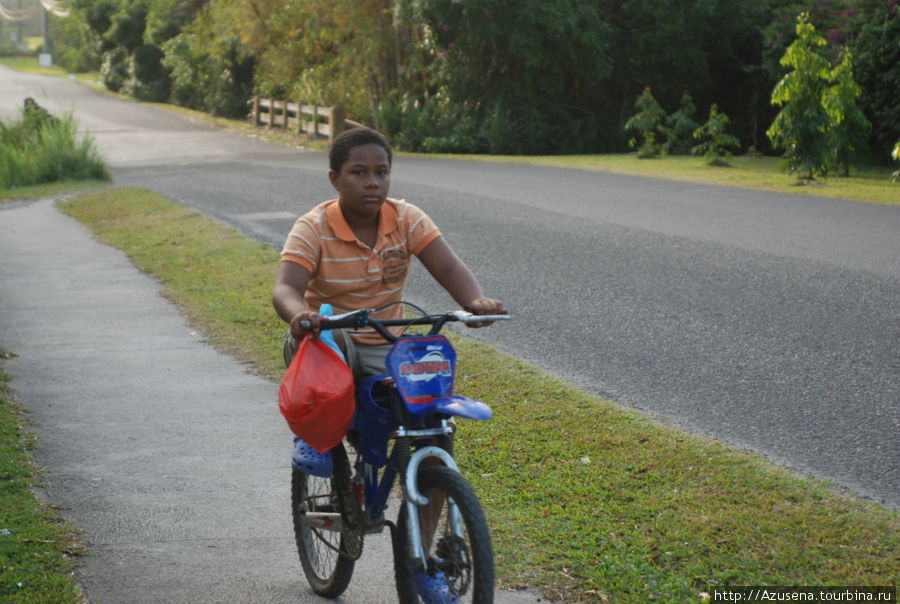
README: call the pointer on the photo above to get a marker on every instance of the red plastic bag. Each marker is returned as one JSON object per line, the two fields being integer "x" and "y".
{"x": 316, "y": 395}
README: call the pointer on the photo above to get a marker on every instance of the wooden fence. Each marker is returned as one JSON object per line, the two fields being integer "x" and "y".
{"x": 300, "y": 118}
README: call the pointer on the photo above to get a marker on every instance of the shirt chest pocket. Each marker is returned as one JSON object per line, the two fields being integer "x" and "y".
{"x": 394, "y": 266}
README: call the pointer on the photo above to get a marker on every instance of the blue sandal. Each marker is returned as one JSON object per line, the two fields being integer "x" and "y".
{"x": 306, "y": 459}
{"x": 434, "y": 589}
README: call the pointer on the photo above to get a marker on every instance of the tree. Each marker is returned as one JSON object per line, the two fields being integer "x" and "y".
{"x": 514, "y": 76}
{"x": 876, "y": 59}
{"x": 714, "y": 141}
{"x": 801, "y": 127}
{"x": 650, "y": 125}
{"x": 212, "y": 70}
{"x": 848, "y": 128}
{"x": 680, "y": 127}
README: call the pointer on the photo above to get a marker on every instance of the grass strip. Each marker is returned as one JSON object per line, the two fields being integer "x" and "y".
{"x": 868, "y": 184}
{"x": 586, "y": 500}
{"x": 36, "y": 544}
{"x": 35, "y": 192}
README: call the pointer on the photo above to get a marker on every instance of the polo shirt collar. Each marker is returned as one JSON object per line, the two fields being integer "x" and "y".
{"x": 387, "y": 221}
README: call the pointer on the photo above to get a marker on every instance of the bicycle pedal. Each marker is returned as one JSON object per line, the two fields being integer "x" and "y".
{"x": 351, "y": 543}
{"x": 351, "y": 509}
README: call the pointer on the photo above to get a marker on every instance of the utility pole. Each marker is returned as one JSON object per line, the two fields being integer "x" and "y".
{"x": 21, "y": 39}
{"x": 46, "y": 57}
{"x": 45, "y": 27}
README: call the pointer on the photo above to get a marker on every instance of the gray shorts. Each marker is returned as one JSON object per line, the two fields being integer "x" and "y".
{"x": 364, "y": 359}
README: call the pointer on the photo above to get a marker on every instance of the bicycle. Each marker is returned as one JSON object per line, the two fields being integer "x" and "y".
{"x": 441, "y": 543}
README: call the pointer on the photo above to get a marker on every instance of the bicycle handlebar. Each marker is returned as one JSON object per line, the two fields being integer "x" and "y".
{"x": 361, "y": 318}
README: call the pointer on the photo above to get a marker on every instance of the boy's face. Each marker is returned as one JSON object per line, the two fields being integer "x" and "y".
{"x": 363, "y": 183}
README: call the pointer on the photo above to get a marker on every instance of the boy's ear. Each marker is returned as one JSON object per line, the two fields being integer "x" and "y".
{"x": 334, "y": 177}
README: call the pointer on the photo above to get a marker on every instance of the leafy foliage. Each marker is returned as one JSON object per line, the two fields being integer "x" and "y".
{"x": 505, "y": 76}
{"x": 819, "y": 125}
{"x": 848, "y": 127}
{"x": 210, "y": 68}
{"x": 869, "y": 29}
{"x": 530, "y": 72}
{"x": 650, "y": 125}
{"x": 680, "y": 127}
{"x": 801, "y": 125}
{"x": 876, "y": 58}
{"x": 715, "y": 143}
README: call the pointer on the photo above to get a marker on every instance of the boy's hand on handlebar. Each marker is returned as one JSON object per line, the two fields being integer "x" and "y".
{"x": 484, "y": 306}
{"x": 310, "y": 318}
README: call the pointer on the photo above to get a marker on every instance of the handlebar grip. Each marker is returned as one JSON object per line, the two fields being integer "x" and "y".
{"x": 323, "y": 324}
{"x": 326, "y": 322}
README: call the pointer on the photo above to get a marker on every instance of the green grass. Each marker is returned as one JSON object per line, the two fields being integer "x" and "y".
{"x": 871, "y": 185}
{"x": 39, "y": 148}
{"x": 36, "y": 544}
{"x": 34, "y": 192}
{"x": 585, "y": 499}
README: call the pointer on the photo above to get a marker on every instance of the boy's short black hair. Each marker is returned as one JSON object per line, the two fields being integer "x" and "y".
{"x": 355, "y": 137}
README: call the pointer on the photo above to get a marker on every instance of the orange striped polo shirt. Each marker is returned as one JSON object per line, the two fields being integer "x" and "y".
{"x": 347, "y": 273}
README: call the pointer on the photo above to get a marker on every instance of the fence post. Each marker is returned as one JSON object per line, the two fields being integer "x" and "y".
{"x": 271, "y": 113}
{"x": 256, "y": 111}
{"x": 335, "y": 122}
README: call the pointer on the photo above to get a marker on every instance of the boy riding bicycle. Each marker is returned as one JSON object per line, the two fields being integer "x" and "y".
{"x": 354, "y": 253}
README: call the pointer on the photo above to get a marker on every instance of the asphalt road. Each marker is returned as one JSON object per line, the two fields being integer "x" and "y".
{"x": 766, "y": 321}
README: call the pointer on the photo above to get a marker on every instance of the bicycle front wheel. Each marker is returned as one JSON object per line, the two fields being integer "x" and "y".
{"x": 460, "y": 557}
{"x": 326, "y": 568}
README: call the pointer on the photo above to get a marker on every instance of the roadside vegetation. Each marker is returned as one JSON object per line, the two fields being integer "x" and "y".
{"x": 36, "y": 544}
{"x": 40, "y": 148}
{"x": 586, "y": 499}
{"x": 525, "y": 76}
{"x": 867, "y": 183}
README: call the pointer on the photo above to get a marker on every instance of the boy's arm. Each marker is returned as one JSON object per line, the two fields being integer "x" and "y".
{"x": 288, "y": 300}
{"x": 454, "y": 276}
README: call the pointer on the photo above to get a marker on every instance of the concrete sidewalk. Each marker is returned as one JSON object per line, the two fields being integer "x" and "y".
{"x": 169, "y": 456}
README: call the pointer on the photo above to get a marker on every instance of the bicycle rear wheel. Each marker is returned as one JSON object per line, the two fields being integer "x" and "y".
{"x": 460, "y": 552}
{"x": 328, "y": 571}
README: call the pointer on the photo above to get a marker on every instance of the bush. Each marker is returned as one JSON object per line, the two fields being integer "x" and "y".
{"x": 40, "y": 148}
{"x": 650, "y": 126}
{"x": 714, "y": 141}
{"x": 680, "y": 127}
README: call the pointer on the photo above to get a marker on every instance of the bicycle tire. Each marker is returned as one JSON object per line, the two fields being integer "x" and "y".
{"x": 327, "y": 571}
{"x": 470, "y": 571}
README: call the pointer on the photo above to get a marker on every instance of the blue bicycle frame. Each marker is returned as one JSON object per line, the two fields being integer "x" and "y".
{"x": 423, "y": 369}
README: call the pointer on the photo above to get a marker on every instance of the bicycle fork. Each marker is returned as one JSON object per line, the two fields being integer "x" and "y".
{"x": 413, "y": 499}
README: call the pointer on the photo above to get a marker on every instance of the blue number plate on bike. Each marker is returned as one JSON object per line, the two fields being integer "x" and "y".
{"x": 422, "y": 367}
